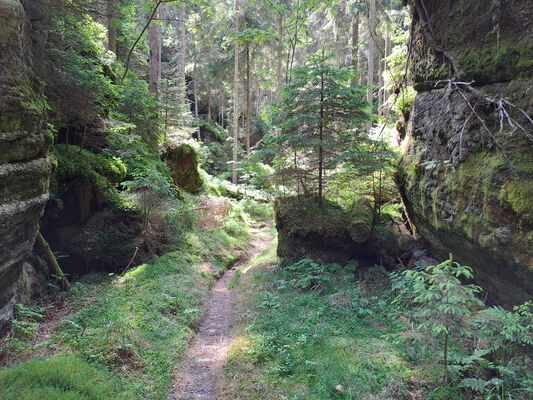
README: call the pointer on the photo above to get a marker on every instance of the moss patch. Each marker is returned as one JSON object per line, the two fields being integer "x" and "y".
{"x": 327, "y": 233}
{"x": 183, "y": 163}
{"x": 60, "y": 378}
{"x": 519, "y": 195}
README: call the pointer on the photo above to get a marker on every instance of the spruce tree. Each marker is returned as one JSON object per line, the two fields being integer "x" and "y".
{"x": 318, "y": 117}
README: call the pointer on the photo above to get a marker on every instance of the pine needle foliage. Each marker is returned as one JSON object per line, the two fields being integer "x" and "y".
{"x": 317, "y": 119}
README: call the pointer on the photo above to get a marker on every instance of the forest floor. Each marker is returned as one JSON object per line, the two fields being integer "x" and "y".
{"x": 202, "y": 369}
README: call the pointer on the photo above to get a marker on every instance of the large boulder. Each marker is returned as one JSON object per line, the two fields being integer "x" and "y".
{"x": 183, "y": 163}
{"x": 330, "y": 234}
{"x": 467, "y": 186}
{"x": 24, "y": 163}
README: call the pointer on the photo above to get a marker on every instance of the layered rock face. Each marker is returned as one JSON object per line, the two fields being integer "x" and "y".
{"x": 24, "y": 163}
{"x": 467, "y": 167}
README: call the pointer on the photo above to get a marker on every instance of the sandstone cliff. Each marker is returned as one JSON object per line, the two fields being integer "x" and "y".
{"x": 466, "y": 174}
{"x": 24, "y": 163}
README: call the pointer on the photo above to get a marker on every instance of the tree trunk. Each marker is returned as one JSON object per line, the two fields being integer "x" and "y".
{"x": 181, "y": 64}
{"x": 196, "y": 98}
{"x": 355, "y": 49}
{"x": 340, "y": 18}
{"x": 111, "y": 28}
{"x": 222, "y": 110}
{"x": 248, "y": 97}
{"x": 130, "y": 52}
{"x": 153, "y": 62}
{"x": 388, "y": 51}
{"x": 280, "y": 57}
{"x": 209, "y": 101}
{"x": 84, "y": 137}
{"x": 51, "y": 261}
{"x": 371, "y": 52}
{"x": 380, "y": 80}
{"x": 67, "y": 134}
{"x": 166, "y": 114}
{"x": 321, "y": 146}
{"x": 446, "y": 376}
{"x": 236, "y": 94}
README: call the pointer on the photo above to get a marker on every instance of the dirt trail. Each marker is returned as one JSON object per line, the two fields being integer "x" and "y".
{"x": 202, "y": 368}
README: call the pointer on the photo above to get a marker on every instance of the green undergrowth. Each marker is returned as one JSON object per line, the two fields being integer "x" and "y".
{"x": 311, "y": 330}
{"x": 128, "y": 332}
{"x": 315, "y": 331}
{"x": 60, "y": 378}
{"x": 101, "y": 171}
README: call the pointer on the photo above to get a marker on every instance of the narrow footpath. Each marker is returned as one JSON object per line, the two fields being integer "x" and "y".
{"x": 202, "y": 368}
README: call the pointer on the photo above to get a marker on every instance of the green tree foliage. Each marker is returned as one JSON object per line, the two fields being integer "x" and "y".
{"x": 444, "y": 301}
{"x": 317, "y": 116}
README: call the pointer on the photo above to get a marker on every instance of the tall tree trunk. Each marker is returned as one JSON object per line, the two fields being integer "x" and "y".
{"x": 248, "y": 97}
{"x": 340, "y": 18}
{"x": 209, "y": 101}
{"x": 111, "y": 28}
{"x": 355, "y": 49}
{"x": 67, "y": 134}
{"x": 280, "y": 57}
{"x": 182, "y": 84}
{"x": 321, "y": 145}
{"x": 153, "y": 62}
{"x": 166, "y": 113}
{"x": 86, "y": 122}
{"x": 222, "y": 110}
{"x": 195, "y": 76}
{"x": 371, "y": 54}
{"x": 258, "y": 100}
{"x": 361, "y": 79}
{"x": 236, "y": 94}
{"x": 388, "y": 51}
{"x": 381, "y": 90}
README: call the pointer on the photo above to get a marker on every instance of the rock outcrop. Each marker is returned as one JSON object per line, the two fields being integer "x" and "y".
{"x": 467, "y": 167}
{"x": 331, "y": 235}
{"x": 24, "y": 163}
{"x": 183, "y": 163}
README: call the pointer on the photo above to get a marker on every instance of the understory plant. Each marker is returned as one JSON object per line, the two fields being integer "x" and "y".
{"x": 484, "y": 350}
{"x": 444, "y": 302}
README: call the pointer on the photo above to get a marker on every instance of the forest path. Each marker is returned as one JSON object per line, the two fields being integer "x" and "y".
{"x": 203, "y": 365}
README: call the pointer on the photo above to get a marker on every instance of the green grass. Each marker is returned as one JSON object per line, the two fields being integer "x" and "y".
{"x": 302, "y": 344}
{"x": 128, "y": 331}
{"x": 60, "y": 378}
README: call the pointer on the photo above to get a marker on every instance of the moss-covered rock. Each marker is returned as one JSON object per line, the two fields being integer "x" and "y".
{"x": 24, "y": 163}
{"x": 85, "y": 181}
{"x": 484, "y": 41}
{"x": 210, "y": 131}
{"x": 325, "y": 233}
{"x": 183, "y": 163}
{"x": 468, "y": 191}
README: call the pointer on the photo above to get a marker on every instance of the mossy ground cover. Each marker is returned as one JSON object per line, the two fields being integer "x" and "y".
{"x": 60, "y": 378}
{"x": 299, "y": 343}
{"x": 124, "y": 335}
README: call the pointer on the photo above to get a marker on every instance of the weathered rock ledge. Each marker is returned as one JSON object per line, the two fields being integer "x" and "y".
{"x": 467, "y": 186}
{"x": 24, "y": 163}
